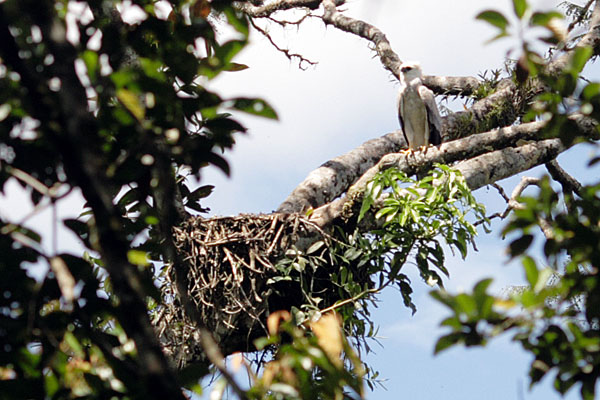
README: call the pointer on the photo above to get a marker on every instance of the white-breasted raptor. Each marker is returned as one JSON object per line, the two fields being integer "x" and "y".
{"x": 417, "y": 110}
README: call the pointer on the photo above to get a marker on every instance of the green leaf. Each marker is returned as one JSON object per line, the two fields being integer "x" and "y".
{"x": 132, "y": 103}
{"x": 520, "y": 6}
{"x": 153, "y": 69}
{"x": 544, "y": 18}
{"x": 520, "y": 245}
{"x": 591, "y": 90}
{"x": 238, "y": 20}
{"x": 228, "y": 50}
{"x": 446, "y": 341}
{"x": 90, "y": 58}
{"x": 366, "y": 205}
{"x": 315, "y": 246}
{"x": 531, "y": 271}
{"x": 255, "y": 107}
{"x": 233, "y": 67}
{"x": 200, "y": 193}
{"x": 481, "y": 287}
{"x": 191, "y": 373}
{"x": 580, "y": 57}
{"x": 137, "y": 257}
{"x": 494, "y": 18}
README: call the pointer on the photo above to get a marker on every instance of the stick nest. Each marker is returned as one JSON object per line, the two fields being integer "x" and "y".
{"x": 228, "y": 262}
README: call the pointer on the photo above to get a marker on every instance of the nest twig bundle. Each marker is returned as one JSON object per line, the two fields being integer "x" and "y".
{"x": 228, "y": 262}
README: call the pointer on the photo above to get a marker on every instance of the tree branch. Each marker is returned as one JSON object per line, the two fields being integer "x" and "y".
{"x": 262, "y": 11}
{"x": 513, "y": 204}
{"x": 452, "y": 85}
{"x": 568, "y": 183}
{"x": 332, "y": 178}
{"x": 301, "y": 59}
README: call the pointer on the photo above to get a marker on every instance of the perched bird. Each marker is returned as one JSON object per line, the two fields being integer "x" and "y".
{"x": 417, "y": 111}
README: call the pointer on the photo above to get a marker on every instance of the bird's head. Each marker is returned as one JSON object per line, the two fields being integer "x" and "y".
{"x": 410, "y": 70}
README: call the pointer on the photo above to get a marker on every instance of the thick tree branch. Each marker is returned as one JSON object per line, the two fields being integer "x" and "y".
{"x": 499, "y": 109}
{"x": 332, "y": 179}
{"x": 501, "y": 164}
{"x": 265, "y": 10}
{"x": 471, "y": 149}
{"x": 452, "y": 85}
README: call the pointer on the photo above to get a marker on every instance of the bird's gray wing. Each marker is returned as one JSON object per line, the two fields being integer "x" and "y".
{"x": 433, "y": 115}
{"x": 401, "y": 113}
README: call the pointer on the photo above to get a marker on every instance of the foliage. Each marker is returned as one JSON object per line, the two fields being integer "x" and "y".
{"x": 555, "y": 317}
{"x": 415, "y": 215}
{"x": 121, "y": 113}
{"x": 308, "y": 366}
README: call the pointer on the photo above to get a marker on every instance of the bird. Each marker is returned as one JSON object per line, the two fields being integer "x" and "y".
{"x": 417, "y": 110}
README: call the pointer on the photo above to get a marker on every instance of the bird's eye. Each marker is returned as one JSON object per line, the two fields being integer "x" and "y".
{"x": 405, "y": 69}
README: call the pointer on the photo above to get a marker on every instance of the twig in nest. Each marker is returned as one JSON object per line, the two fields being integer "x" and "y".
{"x": 302, "y": 61}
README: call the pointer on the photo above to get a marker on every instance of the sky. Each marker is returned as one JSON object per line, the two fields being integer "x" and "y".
{"x": 327, "y": 110}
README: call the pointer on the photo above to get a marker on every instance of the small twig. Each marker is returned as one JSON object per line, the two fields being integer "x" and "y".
{"x": 284, "y": 23}
{"x": 291, "y": 56}
{"x": 500, "y": 190}
{"x": 355, "y": 298}
{"x": 52, "y": 192}
{"x": 216, "y": 358}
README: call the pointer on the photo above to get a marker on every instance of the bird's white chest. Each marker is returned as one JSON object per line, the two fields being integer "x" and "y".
{"x": 414, "y": 118}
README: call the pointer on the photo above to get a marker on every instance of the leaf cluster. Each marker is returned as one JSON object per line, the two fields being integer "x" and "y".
{"x": 417, "y": 216}
{"x": 124, "y": 115}
{"x": 308, "y": 363}
{"x": 555, "y": 316}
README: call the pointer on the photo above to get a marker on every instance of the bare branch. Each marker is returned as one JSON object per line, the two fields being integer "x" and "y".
{"x": 500, "y": 190}
{"x": 301, "y": 59}
{"x": 513, "y": 204}
{"x": 568, "y": 183}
